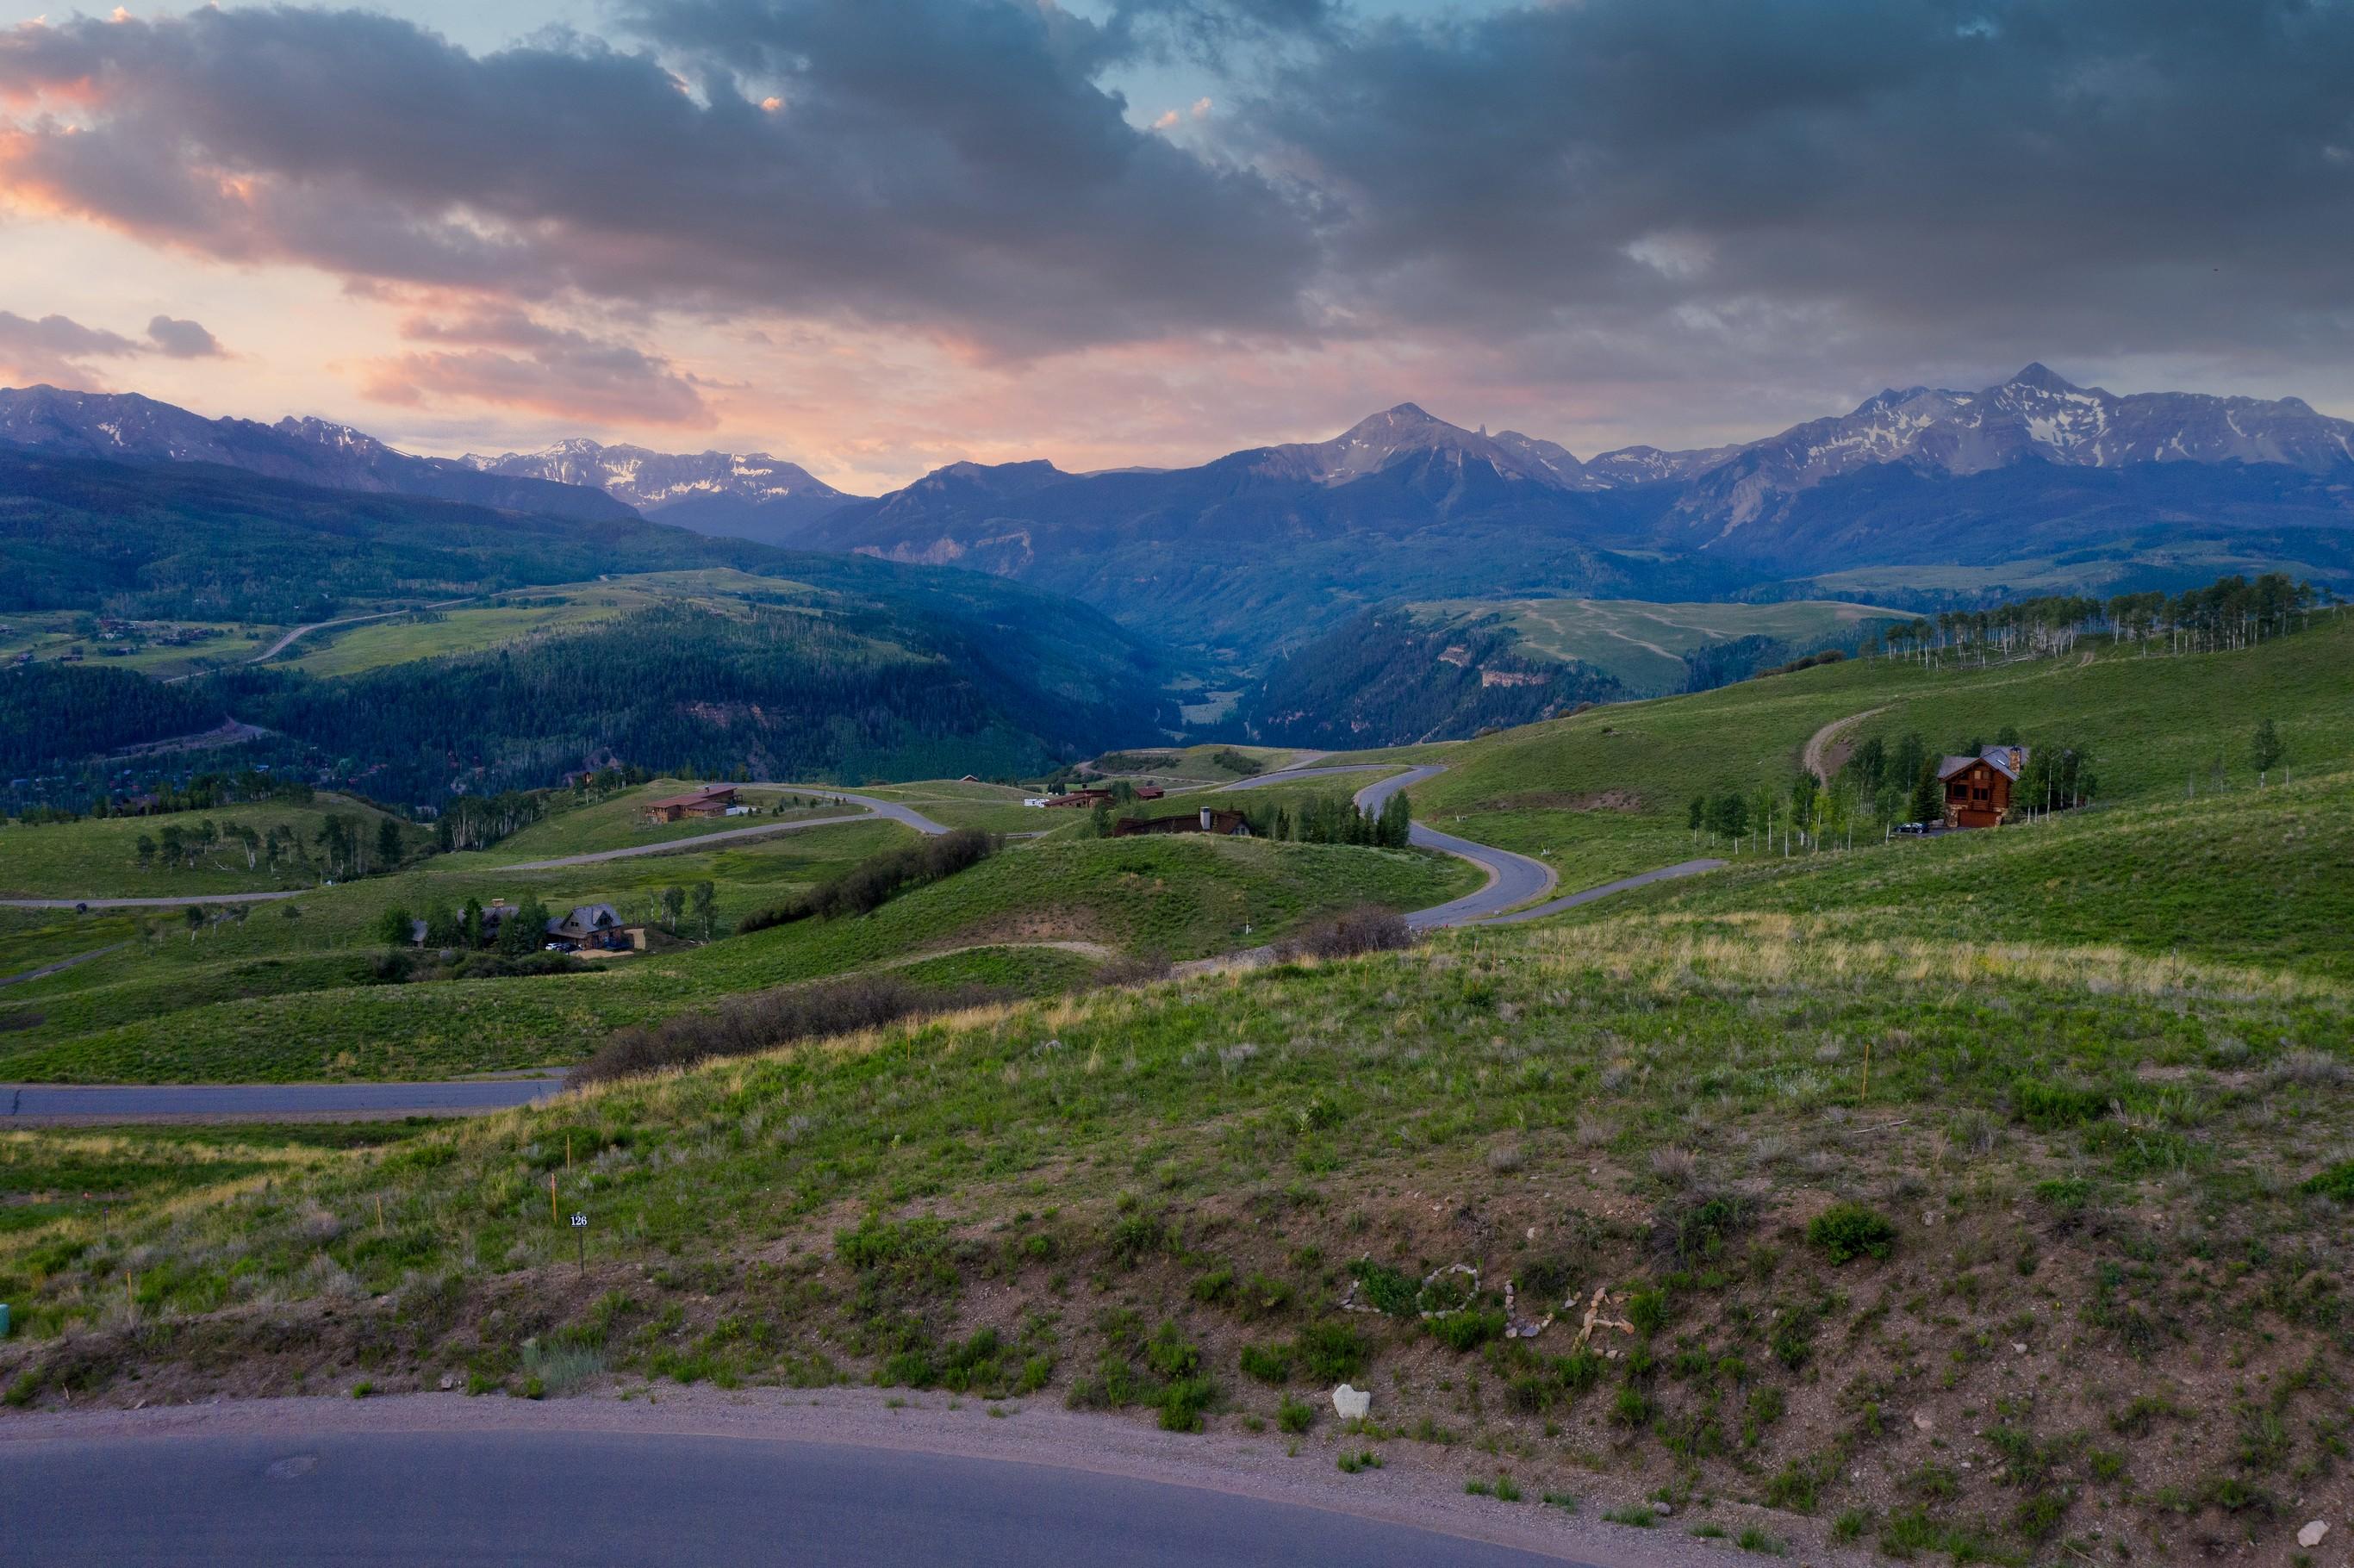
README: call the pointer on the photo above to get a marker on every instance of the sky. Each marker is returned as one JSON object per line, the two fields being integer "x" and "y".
{"x": 876, "y": 236}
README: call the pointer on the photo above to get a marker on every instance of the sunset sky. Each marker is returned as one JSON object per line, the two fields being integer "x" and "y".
{"x": 875, "y": 235}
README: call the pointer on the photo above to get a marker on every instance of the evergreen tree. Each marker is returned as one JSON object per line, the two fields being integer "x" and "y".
{"x": 387, "y": 844}
{"x": 394, "y": 927}
{"x": 2265, "y": 749}
{"x": 1928, "y": 803}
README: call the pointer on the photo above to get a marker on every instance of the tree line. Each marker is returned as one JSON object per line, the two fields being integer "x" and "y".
{"x": 2231, "y": 613}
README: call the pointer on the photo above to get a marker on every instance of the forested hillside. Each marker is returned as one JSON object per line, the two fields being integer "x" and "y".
{"x": 804, "y": 666}
{"x": 1387, "y": 678}
{"x": 773, "y": 693}
{"x": 196, "y": 542}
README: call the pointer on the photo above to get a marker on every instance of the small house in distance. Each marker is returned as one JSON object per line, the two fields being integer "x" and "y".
{"x": 1978, "y": 788}
{"x": 596, "y": 925}
{"x": 710, "y": 800}
{"x": 1226, "y": 824}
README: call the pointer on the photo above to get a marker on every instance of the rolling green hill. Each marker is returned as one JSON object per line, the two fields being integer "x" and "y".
{"x": 258, "y": 994}
{"x": 1606, "y": 793}
{"x": 1949, "y": 1234}
{"x": 1643, "y": 645}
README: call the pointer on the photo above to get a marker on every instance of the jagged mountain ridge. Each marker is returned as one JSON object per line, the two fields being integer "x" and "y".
{"x": 1258, "y": 549}
{"x": 2033, "y": 417}
{"x": 750, "y": 495}
{"x": 126, "y": 427}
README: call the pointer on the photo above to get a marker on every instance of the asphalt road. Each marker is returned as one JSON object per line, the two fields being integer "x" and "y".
{"x": 23, "y": 1103}
{"x": 875, "y": 808}
{"x": 527, "y": 1497}
{"x": 180, "y": 903}
{"x": 1513, "y": 879}
{"x": 1555, "y": 905}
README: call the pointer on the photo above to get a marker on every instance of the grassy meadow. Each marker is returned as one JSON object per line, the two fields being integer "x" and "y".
{"x": 260, "y": 993}
{"x": 1644, "y": 645}
{"x": 2012, "y": 1240}
{"x": 99, "y": 857}
{"x": 525, "y": 613}
{"x": 1604, "y": 794}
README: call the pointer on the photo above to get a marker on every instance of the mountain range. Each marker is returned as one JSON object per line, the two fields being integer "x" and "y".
{"x": 123, "y": 427}
{"x": 747, "y": 495}
{"x": 2034, "y": 482}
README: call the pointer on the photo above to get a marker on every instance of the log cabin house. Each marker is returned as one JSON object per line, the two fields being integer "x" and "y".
{"x": 1978, "y": 788}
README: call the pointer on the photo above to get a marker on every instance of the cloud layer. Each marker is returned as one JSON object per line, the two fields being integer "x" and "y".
{"x": 1671, "y": 205}
{"x": 56, "y": 348}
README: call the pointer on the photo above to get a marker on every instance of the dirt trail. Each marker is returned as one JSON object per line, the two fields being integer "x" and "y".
{"x": 1819, "y": 749}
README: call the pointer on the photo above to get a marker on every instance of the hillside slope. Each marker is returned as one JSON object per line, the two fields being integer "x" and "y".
{"x": 1970, "y": 1247}
{"x": 1607, "y": 793}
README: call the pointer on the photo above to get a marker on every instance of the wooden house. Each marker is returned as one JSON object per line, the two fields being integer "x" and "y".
{"x": 1978, "y": 788}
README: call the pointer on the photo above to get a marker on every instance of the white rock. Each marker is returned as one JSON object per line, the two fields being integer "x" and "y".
{"x": 2312, "y": 1533}
{"x": 1921, "y": 1422}
{"x": 1351, "y": 1404}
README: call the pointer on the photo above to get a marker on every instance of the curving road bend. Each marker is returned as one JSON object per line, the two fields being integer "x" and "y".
{"x": 891, "y": 810}
{"x": 525, "y": 1498}
{"x": 1513, "y": 879}
{"x": 1644, "y": 879}
{"x": 875, "y": 808}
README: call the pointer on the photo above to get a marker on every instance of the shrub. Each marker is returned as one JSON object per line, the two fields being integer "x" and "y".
{"x": 1632, "y": 1409}
{"x": 1385, "y": 1289}
{"x": 874, "y": 880}
{"x": 1266, "y": 1364}
{"x": 1331, "y": 1352}
{"x": 750, "y": 1024}
{"x": 1467, "y": 1330}
{"x": 1347, "y": 936}
{"x": 1846, "y": 1231}
{"x": 2337, "y": 1183}
{"x": 1647, "y": 1310}
{"x": 1295, "y": 1415}
{"x": 2054, "y": 1107}
{"x": 1183, "y": 1402}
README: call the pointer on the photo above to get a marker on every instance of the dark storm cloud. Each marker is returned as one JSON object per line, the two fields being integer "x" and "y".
{"x": 1847, "y": 186}
{"x": 2118, "y": 174}
{"x": 176, "y": 339}
{"x": 936, "y": 161}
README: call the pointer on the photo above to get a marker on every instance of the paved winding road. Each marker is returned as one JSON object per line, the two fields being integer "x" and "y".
{"x": 1644, "y": 879}
{"x": 619, "y": 1497}
{"x": 875, "y": 808}
{"x": 1513, "y": 879}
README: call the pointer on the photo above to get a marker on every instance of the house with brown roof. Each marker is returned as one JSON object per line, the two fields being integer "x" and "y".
{"x": 710, "y": 800}
{"x": 1978, "y": 788}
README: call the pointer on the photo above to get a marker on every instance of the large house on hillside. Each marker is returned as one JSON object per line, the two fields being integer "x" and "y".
{"x": 1978, "y": 788}
{"x": 711, "y": 800}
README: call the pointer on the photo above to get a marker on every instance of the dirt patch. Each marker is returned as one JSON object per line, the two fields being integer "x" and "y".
{"x": 1828, "y": 749}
